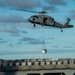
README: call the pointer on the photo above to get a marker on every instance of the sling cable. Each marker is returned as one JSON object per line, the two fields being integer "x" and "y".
{"x": 44, "y": 49}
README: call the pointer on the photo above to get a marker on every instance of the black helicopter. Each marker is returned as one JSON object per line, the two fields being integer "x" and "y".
{"x": 45, "y": 20}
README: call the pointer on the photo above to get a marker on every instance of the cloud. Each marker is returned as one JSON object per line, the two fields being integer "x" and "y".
{"x": 56, "y": 2}
{"x": 10, "y": 29}
{"x": 12, "y": 19}
{"x": 49, "y": 8}
{"x": 11, "y": 45}
{"x": 29, "y": 40}
{"x": 52, "y": 38}
{"x": 61, "y": 51}
{"x": 72, "y": 14}
{"x": 3, "y": 41}
{"x": 20, "y": 25}
{"x": 73, "y": 0}
{"x": 22, "y": 4}
{"x": 24, "y": 32}
{"x": 67, "y": 47}
{"x": 55, "y": 46}
{"x": 19, "y": 43}
{"x": 63, "y": 47}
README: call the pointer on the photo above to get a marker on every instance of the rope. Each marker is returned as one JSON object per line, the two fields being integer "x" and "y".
{"x": 43, "y": 43}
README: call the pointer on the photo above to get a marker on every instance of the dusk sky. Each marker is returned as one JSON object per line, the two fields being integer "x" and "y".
{"x": 20, "y": 40}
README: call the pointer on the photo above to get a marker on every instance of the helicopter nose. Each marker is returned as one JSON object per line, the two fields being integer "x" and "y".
{"x": 30, "y": 19}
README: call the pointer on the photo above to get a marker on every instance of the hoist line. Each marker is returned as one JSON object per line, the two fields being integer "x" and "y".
{"x": 43, "y": 43}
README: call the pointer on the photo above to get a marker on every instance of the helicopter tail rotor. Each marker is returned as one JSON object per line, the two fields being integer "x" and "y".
{"x": 66, "y": 25}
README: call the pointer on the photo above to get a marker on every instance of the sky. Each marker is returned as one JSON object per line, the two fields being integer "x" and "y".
{"x": 20, "y": 40}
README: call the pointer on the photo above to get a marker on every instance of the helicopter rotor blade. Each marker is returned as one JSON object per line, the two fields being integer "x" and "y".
{"x": 24, "y": 10}
{"x": 40, "y": 12}
{"x": 57, "y": 11}
{"x": 29, "y": 11}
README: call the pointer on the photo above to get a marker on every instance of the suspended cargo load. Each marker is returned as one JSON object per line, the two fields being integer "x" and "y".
{"x": 44, "y": 51}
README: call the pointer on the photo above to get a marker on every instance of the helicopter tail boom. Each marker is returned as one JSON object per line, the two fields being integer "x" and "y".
{"x": 70, "y": 26}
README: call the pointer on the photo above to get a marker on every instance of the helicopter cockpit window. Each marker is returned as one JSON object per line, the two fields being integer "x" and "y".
{"x": 35, "y": 16}
{"x": 52, "y": 19}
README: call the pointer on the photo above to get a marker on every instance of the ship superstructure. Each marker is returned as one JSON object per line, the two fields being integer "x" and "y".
{"x": 38, "y": 66}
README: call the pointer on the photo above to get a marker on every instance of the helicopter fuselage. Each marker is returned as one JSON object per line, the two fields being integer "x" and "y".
{"x": 45, "y": 20}
{"x": 42, "y": 20}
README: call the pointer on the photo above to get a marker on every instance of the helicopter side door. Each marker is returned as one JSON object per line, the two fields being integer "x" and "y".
{"x": 45, "y": 20}
{"x": 48, "y": 20}
{"x": 51, "y": 21}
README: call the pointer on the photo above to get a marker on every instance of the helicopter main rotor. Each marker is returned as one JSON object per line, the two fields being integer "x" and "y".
{"x": 39, "y": 12}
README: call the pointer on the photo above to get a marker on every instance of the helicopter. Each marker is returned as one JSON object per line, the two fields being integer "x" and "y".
{"x": 45, "y": 20}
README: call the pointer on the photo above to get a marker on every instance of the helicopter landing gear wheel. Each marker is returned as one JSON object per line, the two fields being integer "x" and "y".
{"x": 34, "y": 25}
{"x": 61, "y": 30}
